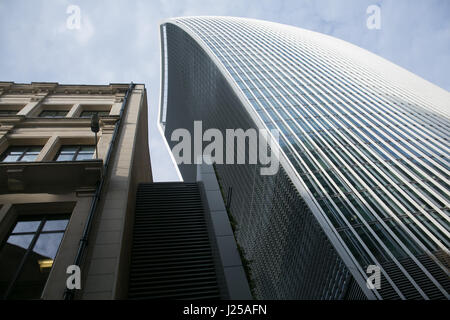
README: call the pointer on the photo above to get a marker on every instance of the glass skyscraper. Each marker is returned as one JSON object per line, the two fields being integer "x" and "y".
{"x": 364, "y": 154}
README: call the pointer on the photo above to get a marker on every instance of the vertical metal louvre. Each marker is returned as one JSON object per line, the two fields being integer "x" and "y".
{"x": 171, "y": 254}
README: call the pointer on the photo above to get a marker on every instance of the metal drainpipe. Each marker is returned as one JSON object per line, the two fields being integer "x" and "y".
{"x": 69, "y": 294}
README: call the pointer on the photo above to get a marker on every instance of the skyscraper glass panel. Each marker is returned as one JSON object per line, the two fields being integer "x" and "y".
{"x": 364, "y": 154}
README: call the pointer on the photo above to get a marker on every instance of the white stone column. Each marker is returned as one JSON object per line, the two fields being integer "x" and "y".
{"x": 50, "y": 149}
{"x": 75, "y": 111}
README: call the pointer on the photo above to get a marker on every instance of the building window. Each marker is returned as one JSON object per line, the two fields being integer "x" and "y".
{"x": 27, "y": 255}
{"x": 89, "y": 114}
{"x": 53, "y": 114}
{"x": 8, "y": 112}
{"x": 75, "y": 153}
{"x": 21, "y": 154}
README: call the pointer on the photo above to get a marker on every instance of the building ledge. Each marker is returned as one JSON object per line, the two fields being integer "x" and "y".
{"x": 50, "y": 177}
{"x": 70, "y": 121}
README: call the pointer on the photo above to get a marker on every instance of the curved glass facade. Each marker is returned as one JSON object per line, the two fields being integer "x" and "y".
{"x": 363, "y": 143}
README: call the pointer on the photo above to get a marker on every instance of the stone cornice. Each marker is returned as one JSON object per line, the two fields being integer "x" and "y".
{"x": 55, "y": 88}
{"x": 63, "y": 122}
{"x": 7, "y": 123}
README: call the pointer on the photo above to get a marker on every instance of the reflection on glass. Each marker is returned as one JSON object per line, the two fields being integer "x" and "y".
{"x": 45, "y": 263}
{"x": 22, "y": 241}
{"x": 11, "y": 158}
{"x": 47, "y": 244}
{"x": 27, "y": 256}
{"x": 55, "y": 225}
{"x": 29, "y": 157}
{"x": 21, "y": 153}
{"x": 26, "y": 226}
{"x": 88, "y": 114}
{"x": 74, "y": 153}
{"x": 53, "y": 114}
{"x": 65, "y": 157}
{"x": 84, "y": 156}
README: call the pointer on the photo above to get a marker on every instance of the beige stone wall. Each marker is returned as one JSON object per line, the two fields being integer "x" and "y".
{"x": 106, "y": 260}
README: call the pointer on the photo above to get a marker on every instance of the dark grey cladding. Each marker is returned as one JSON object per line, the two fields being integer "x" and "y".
{"x": 291, "y": 257}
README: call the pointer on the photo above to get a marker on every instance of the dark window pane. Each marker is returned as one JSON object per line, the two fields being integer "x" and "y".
{"x": 88, "y": 149}
{"x": 7, "y": 112}
{"x": 69, "y": 149}
{"x": 34, "y": 150}
{"x": 88, "y": 114}
{"x": 10, "y": 258}
{"x": 31, "y": 280}
{"x": 30, "y": 263}
{"x": 53, "y": 114}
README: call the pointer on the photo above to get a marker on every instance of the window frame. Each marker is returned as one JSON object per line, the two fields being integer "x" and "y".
{"x": 8, "y": 112}
{"x": 42, "y": 218}
{"x": 5, "y": 153}
{"x": 92, "y": 112}
{"x": 75, "y": 154}
{"x": 66, "y": 112}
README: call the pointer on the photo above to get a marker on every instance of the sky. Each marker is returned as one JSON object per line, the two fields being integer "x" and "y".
{"x": 118, "y": 40}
